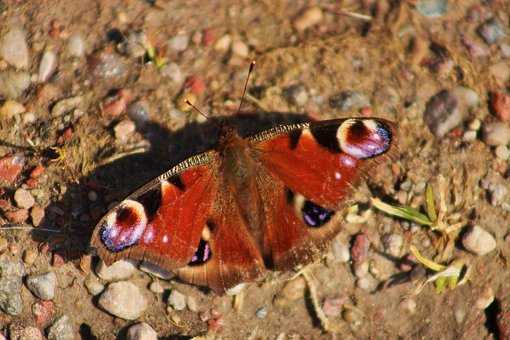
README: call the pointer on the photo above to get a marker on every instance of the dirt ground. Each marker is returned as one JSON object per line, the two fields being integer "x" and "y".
{"x": 395, "y": 55}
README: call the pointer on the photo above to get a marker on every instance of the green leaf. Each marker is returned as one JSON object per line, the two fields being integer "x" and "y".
{"x": 430, "y": 203}
{"x": 440, "y": 284}
{"x": 406, "y": 213}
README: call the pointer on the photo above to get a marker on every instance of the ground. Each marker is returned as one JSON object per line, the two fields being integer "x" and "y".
{"x": 134, "y": 62}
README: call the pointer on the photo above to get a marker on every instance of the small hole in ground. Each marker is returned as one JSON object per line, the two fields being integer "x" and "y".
{"x": 491, "y": 316}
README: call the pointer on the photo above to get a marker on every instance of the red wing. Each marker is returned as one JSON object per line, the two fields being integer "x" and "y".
{"x": 162, "y": 222}
{"x": 308, "y": 172}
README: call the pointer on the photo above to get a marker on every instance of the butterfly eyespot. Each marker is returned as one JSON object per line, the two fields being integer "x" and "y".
{"x": 314, "y": 215}
{"x": 124, "y": 226}
{"x": 202, "y": 254}
{"x": 363, "y": 138}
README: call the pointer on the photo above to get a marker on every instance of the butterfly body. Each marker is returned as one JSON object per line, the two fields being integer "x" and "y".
{"x": 268, "y": 201}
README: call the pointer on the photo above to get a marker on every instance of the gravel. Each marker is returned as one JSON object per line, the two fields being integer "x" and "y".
{"x": 76, "y": 46}
{"x": 11, "y": 274}
{"x": 13, "y": 83}
{"x": 497, "y": 133}
{"x": 141, "y": 331}
{"x": 14, "y": 48}
{"x": 47, "y": 66}
{"x": 124, "y": 300}
{"x": 24, "y": 198}
{"x": 308, "y": 18}
{"x": 177, "y": 300}
{"x": 62, "y": 329}
{"x": 118, "y": 271}
{"x": 478, "y": 241}
{"x": 43, "y": 285}
{"x": 442, "y": 113}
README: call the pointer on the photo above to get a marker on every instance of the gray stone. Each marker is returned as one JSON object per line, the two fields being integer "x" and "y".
{"x": 177, "y": 300}
{"x": 442, "y": 113}
{"x": 179, "y": 43}
{"x": 120, "y": 270}
{"x": 124, "y": 300}
{"x": 62, "y": 329}
{"x": 296, "y": 95}
{"x": 14, "y": 48}
{"x": 11, "y": 274}
{"x": 491, "y": 31}
{"x": 478, "y": 241}
{"x": 43, "y": 286}
{"x": 76, "y": 46}
{"x": 432, "y": 8}
{"x": 496, "y": 133}
{"x": 349, "y": 101}
{"x": 141, "y": 331}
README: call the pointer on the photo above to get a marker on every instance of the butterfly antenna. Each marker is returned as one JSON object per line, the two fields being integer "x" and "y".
{"x": 252, "y": 65}
{"x": 197, "y": 109}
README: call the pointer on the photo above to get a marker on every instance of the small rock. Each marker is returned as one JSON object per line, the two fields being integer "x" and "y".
{"x": 294, "y": 289}
{"x": 409, "y": 305}
{"x": 469, "y": 136}
{"x": 11, "y": 167}
{"x": 442, "y": 113}
{"x": 309, "y": 18}
{"x": 497, "y": 133}
{"x": 497, "y": 191}
{"x": 432, "y": 8}
{"x": 367, "y": 283}
{"x": 353, "y": 317}
{"x": 393, "y": 244}
{"x": 466, "y": 97}
{"x": 502, "y": 152}
{"x": 261, "y": 313}
{"x": 47, "y": 66}
{"x": 360, "y": 269}
{"x": 237, "y": 289}
{"x": 43, "y": 286}
{"x": 17, "y": 216}
{"x": 11, "y": 109}
{"x": 223, "y": 43}
{"x": 485, "y": 299}
{"x": 240, "y": 49}
{"x": 124, "y": 129}
{"x": 478, "y": 241}
{"x": 108, "y": 66}
{"x": 19, "y": 332}
{"x": 349, "y": 101}
{"x": 139, "y": 113}
{"x": 93, "y": 285}
{"x": 491, "y": 31}
{"x": 13, "y": 84}
{"x": 14, "y": 48}
{"x": 179, "y": 43}
{"x": 296, "y": 95}
{"x": 459, "y": 314}
{"x": 340, "y": 250}
{"x": 43, "y": 311}
{"x": 505, "y": 49}
{"x": 135, "y": 45}
{"x": 12, "y": 271}
{"x": 29, "y": 256}
{"x": 61, "y": 329}
{"x": 76, "y": 46}
{"x": 141, "y": 331}
{"x": 195, "y": 84}
{"x": 500, "y": 105}
{"x": 173, "y": 72}
{"x": 177, "y": 300}
{"x": 192, "y": 303}
{"x": 333, "y": 306}
{"x": 66, "y": 105}
{"x": 24, "y": 198}
{"x": 118, "y": 271}
{"x": 124, "y": 300}
{"x": 359, "y": 248}
{"x": 500, "y": 72}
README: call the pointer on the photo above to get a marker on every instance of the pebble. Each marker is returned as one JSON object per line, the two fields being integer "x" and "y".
{"x": 261, "y": 313}
{"x": 469, "y": 136}
{"x": 156, "y": 287}
{"x": 500, "y": 72}
{"x": 93, "y": 285}
{"x": 309, "y": 18}
{"x": 367, "y": 283}
{"x": 466, "y": 97}
{"x": 360, "y": 269}
{"x": 141, "y": 331}
{"x": 478, "y": 241}
{"x": 237, "y": 289}
{"x": 24, "y": 198}
{"x": 108, "y": 66}
{"x": 11, "y": 108}
{"x": 349, "y": 101}
{"x": 43, "y": 285}
{"x": 12, "y": 271}
{"x": 76, "y": 46}
{"x": 459, "y": 314}
{"x": 485, "y": 298}
{"x": 496, "y": 133}
{"x": 432, "y": 8}
{"x": 66, "y": 105}
{"x": 294, "y": 290}
{"x": 333, "y": 306}
{"x": 502, "y": 152}
{"x": 442, "y": 113}
{"x": 47, "y": 66}
{"x": 124, "y": 300}
{"x": 29, "y": 256}
{"x": 20, "y": 332}
{"x": 13, "y": 83}
{"x": 340, "y": 251}
{"x": 240, "y": 49}
{"x": 393, "y": 244}
{"x": 491, "y": 31}
{"x": 124, "y": 129}
{"x": 62, "y": 329}
{"x": 497, "y": 191}
{"x": 11, "y": 167}
{"x": 118, "y": 271}
{"x": 192, "y": 303}
{"x": 179, "y": 43}
{"x": 352, "y": 317}
{"x": 409, "y": 305}
{"x": 17, "y": 216}
{"x": 223, "y": 43}
{"x": 360, "y": 247}
{"x": 135, "y": 45}
{"x": 139, "y": 113}
{"x": 500, "y": 105}
{"x": 14, "y": 48}
{"x": 296, "y": 94}
{"x": 177, "y": 300}
{"x": 173, "y": 72}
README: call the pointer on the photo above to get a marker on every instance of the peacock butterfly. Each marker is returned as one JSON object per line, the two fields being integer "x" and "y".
{"x": 266, "y": 201}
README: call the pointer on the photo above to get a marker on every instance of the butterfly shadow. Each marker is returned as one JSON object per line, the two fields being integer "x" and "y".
{"x": 85, "y": 201}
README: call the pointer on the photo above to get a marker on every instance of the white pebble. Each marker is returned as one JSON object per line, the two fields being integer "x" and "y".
{"x": 393, "y": 244}
{"x": 76, "y": 46}
{"x": 120, "y": 270}
{"x": 497, "y": 133}
{"x": 124, "y": 300}
{"x": 341, "y": 251}
{"x": 478, "y": 241}
{"x": 409, "y": 305}
{"x": 502, "y": 152}
{"x": 24, "y": 198}
{"x": 141, "y": 331}
{"x": 367, "y": 283}
{"x": 223, "y": 43}
{"x": 240, "y": 49}
{"x": 469, "y": 136}
{"x": 173, "y": 72}
{"x": 177, "y": 300}
{"x": 310, "y": 17}
{"x": 43, "y": 286}
{"x": 179, "y": 43}
{"x": 14, "y": 48}
{"x": 93, "y": 285}
{"x": 47, "y": 66}
{"x": 485, "y": 299}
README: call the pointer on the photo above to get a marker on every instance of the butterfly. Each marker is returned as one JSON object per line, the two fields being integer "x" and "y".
{"x": 267, "y": 201}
